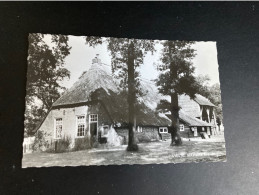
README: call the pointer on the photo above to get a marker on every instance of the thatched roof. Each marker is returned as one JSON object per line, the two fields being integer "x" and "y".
{"x": 191, "y": 121}
{"x": 202, "y": 100}
{"x": 96, "y": 77}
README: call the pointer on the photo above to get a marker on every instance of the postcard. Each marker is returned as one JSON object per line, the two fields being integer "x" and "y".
{"x": 112, "y": 101}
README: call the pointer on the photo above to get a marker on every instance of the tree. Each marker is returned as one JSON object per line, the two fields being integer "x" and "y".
{"x": 203, "y": 85}
{"x": 213, "y": 93}
{"x": 127, "y": 56}
{"x": 215, "y": 98}
{"x": 45, "y": 71}
{"x": 176, "y": 78}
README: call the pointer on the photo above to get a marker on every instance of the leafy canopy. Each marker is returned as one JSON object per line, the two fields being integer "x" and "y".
{"x": 176, "y": 71}
{"x": 45, "y": 71}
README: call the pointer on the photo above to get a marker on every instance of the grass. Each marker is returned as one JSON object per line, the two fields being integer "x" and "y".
{"x": 148, "y": 153}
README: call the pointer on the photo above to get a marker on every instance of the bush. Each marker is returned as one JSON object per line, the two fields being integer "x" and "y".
{"x": 94, "y": 142}
{"x": 144, "y": 138}
{"x": 82, "y": 144}
{"x": 59, "y": 146}
{"x": 40, "y": 144}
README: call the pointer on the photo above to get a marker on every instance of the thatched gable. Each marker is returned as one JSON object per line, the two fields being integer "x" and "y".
{"x": 93, "y": 79}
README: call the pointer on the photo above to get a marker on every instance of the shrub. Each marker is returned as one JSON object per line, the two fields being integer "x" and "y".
{"x": 61, "y": 145}
{"x": 40, "y": 144}
{"x": 82, "y": 143}
{"x": 143, "y": 138}
{"x": 94, "y": 142}
{"x": 123, "y": 140}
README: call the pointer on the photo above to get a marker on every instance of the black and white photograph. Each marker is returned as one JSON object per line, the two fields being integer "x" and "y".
{"x": 112, "y": 101}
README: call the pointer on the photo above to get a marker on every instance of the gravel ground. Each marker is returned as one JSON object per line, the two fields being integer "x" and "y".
{"x": 149, "y": 153}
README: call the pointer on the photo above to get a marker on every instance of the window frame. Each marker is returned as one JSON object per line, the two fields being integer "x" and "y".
{"x": 139, "y": 129}
{"x": 91, "y": 120}
{"x": 195, "y": 131}
{"x": 165, "y": 130}
{"x": 181, "y": 127}
{"x": 55, "y": 127}
{"x": 82, "y": 115}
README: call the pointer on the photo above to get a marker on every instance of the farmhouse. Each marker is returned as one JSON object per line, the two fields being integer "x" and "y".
{"x": 90, "y": 108}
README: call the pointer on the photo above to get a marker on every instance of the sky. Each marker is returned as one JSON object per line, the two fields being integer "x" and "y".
{"x": 81, "y": 55}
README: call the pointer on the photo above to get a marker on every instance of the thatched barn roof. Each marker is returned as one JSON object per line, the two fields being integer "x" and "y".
{"x": 93, "y": 79}
{"x": 191, "y": 121}
{"x": 202, "y": 100}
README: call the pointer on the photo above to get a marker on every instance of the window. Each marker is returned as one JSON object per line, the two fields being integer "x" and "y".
{"x": 139, "y": 129}
{"x": 58, "y": 128}
{"x": 181, "y": 127}
{"x": 80, "y": 126}
{"x": 93, "y": 117}
{"x": 195, "y": 131}
{"x": 93, "y": 124}
{"x": 163, "y": 130}
{"x": 208, "y": 130}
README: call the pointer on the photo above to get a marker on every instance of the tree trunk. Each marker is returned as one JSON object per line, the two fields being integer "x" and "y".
{"x": 132, "y": 146}
{"x": 175, "y": 136}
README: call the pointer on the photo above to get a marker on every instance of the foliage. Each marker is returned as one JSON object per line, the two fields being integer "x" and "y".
{"x": 60, "y": 145}
{"x": 33, "y": 117}
{"x": 176, "y": 71}
{"x": 176, "y": 78}
{"x": 119, "y": 50}
{"x": 45, "y": 71}
{"x": 40, "y": 143}
{"x": 213, "y": 93}
{"x": 215, "y": 98}
{"x": 145, "y": 138}
{"x": 82, "y": 143}
{"x": 203, "y": 85}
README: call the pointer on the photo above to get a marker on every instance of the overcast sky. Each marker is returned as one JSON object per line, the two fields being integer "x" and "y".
{"x": 81, "y": 56}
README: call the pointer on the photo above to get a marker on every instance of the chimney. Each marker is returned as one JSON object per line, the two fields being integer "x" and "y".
{"x": 96, "y": 60}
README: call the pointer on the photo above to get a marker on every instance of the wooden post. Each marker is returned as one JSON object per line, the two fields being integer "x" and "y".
{"x": 208, "y": 113}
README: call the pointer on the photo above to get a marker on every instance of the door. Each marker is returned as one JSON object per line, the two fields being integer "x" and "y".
{"x": 93, "y": 129}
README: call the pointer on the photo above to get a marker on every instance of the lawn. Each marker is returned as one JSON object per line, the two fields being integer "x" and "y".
{"x": 149, "y": 153}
